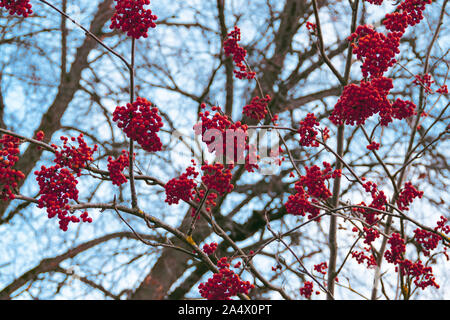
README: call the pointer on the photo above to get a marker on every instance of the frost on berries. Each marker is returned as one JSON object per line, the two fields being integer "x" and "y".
{"x": 131, "y": 17}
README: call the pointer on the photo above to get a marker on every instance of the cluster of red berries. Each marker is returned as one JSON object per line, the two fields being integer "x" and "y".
{"x": 182, "y": 188}
{"x": 408, "y": 13}
{"x": 370, "y": 234}
{"x": 19, "y": 7}
{"x": 311, "y": 26}
{"x": 116, "y": 167}
{"x": 209, "y": 203}
{"x": 209, "y": 249}
{"x": 217, "y": 177}
{"x": 395, "y": 253}
{"x": 131, "y": 17}
{"x": 379, "y": 201}
{"x": 40, "y": 135}
{"x": 72, "y": 157}
{"x": 307, "y": 289}
{"x": 321, "y": 267}
{"x": 443, "y": 89}
{"x": 373, "y": 146}
{"x": 315, "y": 180}
{"x": 376, "y": 2}
{"x": 361, "y": 257}
{"x": 359, "y": 102}
{"x": 9, "y": 177}
{"x": 140, "y": 122}
{"x": 226, "y": 138}
{"x": 57, "y": 186}
{"x": 232, "y": 47}
{"x": 430, "y": 240}
{"x": 402, "y": 109}
{"x": 423, "y": 276}
{"x": 298, "y": 204}
{"x": 257, "y": 109}
{"x": 407, "y": 196}
{"x": 427, "y": 239}
{"x": 376, "y": 50}
{"x": 224, "y": 284}
{"x": 424, "y": 81}
{"x": 307, "y": 131}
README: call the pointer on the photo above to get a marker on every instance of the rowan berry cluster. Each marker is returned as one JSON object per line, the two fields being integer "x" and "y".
{"x": 423, "y": 276}
{"x": 398, "y": 248}
{"x": 57, "y": 186}
{"x": 257, "y": 109}
{"x": 376, "y": 50}
{"x": 321, "y": 267}
{"x": 430, "y": 240}
{"x": 140, "y": 122}
{"x": 412, "y": 10}
{"x": 209, "y": 249}
{"x": 376, "y": 2}
{"x": 131, "y": 17}
{"x": 407, "y": 196}
{"x": 315, "y": 180}
{"x": 116, "y": 167}
{"x": 361, "y": 257}
{"x": 373, "y": 146}
{"x": 226, "y": 138}
{"x": 311, "y": 26}
{"x": 370, "y": 234}
{"x": 307, "y": 131}
{"x": 443, "y": 89}
{"x": 209, "y": 203}
{"x": 181, "y": 188}
{"x": 307, "y": 289}
{"x": 427, "y": 239}
{"x": 19, "y": 7}
{"x": 224, "y": 284}
{"x": 232, "y": 47}
{"x": 40, "y": 135}
{"x": 424, "y": 81}
{"x": 359, "y": 102}
{"x": 72, "y": 157}
{"x": 298, "y": 204}
{"x": 379, "y": 201}
{"x": 9, "y": 177}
